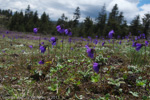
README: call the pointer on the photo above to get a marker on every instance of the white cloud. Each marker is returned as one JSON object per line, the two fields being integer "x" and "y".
{"x": 55, "y": 8}
{"x": 128, "y": 7}
{"x": 144, "y": 9}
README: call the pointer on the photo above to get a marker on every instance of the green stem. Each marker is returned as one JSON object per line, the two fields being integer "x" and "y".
{"x": 62, "y": 46}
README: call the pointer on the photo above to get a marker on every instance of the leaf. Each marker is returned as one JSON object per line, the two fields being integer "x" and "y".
{"x": 95, "y": 78}
{"x": 78, "y": 83}
{"x": 53, "y": 87}
{"x": 134, "y": 93}
{"x": 68, "y": 92}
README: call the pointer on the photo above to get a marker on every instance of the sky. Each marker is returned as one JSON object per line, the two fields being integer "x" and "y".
{"x": 55, "y": 8}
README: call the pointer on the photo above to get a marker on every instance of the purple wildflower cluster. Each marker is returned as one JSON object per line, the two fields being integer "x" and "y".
{"x": 53, "y": 40}
{"x": 139, "y": 45}
{"x": 60, "y": 28}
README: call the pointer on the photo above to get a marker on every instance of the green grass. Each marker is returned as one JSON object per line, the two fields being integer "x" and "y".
{"x": 69, "y": 73}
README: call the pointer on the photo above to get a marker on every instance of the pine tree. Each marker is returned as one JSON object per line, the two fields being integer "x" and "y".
{"x": 101, "y": 21}
{"x": 114, "y": 22}
{"x": 35, "y": 19}
{"x": 146, "y": 24}
{"x": 76, "y": 17}
{"x": 62, "y": 20}
{"x": 44, "y": 26}
{"x": 88, "y": 26}
{"x": 135, "y": 26}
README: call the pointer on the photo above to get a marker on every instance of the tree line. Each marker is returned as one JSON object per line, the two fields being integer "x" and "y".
{"x": 26, "y": 21}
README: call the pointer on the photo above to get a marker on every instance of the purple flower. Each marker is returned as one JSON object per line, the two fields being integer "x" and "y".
{"x": 89, "y": 37}
{"x": 35, "y": 30}
{"x": 136, "y": 38}
{"x": 84, "y": 39}
{"x": 134, "y": 44}
{"x": 45, "y": 38}
{"x": 43, "y": 49}
{"x": 7, "y": 32}
{"x": 71, "y": 48}
{"x": 69, "y": 40}
{"x": 3, "y": 51}
{"x": 41, "y": 62}
{"x": 42, "y": 43}
{"x": 120, "y": 42}
{"x": 96, "y": 67}
{"x": 95, "y": 41}
{"x": 143, "y": 35}
{"x": 61, "y": 41}
{"x": 139, "y": 37}
{"x": 127, "y": 37}
{"x": 103, "y": 43}
{"x": 60, "y": 28}
{"x": 3, "y": 36}
{"x": 110, "y": 34}
{"x": 68, "y": 32}
{"x": 90, "y": 53}
{"x": 31, "y": 46}
{"x": 138, "y": 46}
{"x": 53, "y": 39}
{"x": 146, "y": 43}
{"x": 87, "y": 46}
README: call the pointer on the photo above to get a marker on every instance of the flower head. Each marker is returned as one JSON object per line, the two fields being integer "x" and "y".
{"x": 31, "y": 46}
{"x": 120, "y": 42}
{"x": 111, "y": 33}
{"x": 95, "y": 41}
{"x": 146, "y": 43}
{"x": 41, "y": 62}
{"x": 68, "y": 32}
{"x": 7, "y": 32}
{"x": 87, "y": 46}
{"x": 35, "y": 30}
{"x": 138, "y": 46}
{"x": 53, "y": 40}
{"x": 90, "y": 52}
{"x": 134, "y": 44}
{"x": 60, "y": 28}
{"x": 96, "y": 67}
{"x": 71, "y": 48}
{"x": 136, "y": 38}
{"x": 143, "y": 35}
{"x": 103, "y": 43}
{"x": 43, "y": 49}
{"x": 3, "y": 36}
{"x": 69, "y": 40}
